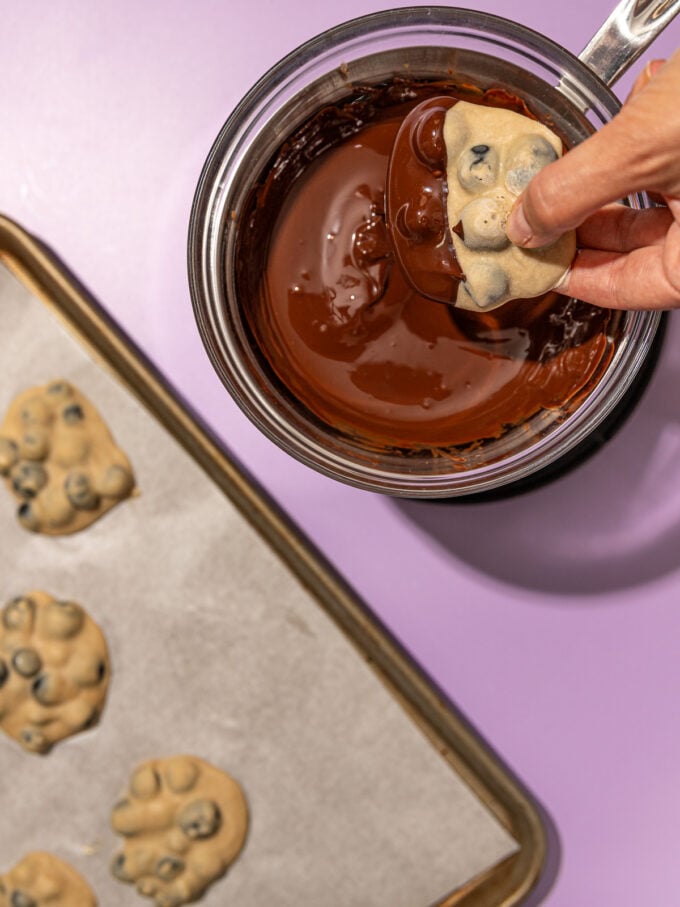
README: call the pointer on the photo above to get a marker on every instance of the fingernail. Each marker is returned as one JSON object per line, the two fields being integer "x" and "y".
{"x": 518, "y": 229}
{"x": 562, "y": 283}
{"x": 652, "y": 68}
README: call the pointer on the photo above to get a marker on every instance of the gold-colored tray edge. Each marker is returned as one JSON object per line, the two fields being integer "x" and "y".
{"x": 510, "y": 881}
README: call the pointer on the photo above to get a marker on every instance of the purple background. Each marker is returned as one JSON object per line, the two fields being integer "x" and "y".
{"x": 552, "y": 619}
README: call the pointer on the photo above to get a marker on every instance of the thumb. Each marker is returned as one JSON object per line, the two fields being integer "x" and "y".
{"x": 636, "y": 150}
{"x": 601, "y": 170}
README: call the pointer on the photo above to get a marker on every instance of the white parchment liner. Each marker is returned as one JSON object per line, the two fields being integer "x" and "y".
{"x": 218, "y": 650}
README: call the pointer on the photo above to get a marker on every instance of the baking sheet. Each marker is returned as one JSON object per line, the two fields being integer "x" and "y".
{"x": 218, "y": 650}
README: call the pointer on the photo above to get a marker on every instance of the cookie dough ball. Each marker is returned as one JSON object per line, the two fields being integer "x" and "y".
{"x": 492, "y": 154}
{"x": 54, "y": 670}
{"x": 184, "y": 822}
{"x": 59, "y": 460}
{"x": 43, "y": 880}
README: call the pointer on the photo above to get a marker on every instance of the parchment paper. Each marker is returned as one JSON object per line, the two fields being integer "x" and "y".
{"x": 219, "y": 651}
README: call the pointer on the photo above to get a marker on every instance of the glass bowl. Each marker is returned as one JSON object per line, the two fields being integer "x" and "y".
{"x": 428, "y": 43}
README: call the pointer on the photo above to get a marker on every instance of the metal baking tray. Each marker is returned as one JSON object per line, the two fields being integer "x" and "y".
{"x": 449, "y": 733}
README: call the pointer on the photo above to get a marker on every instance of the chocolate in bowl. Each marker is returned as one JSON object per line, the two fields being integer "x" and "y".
{"x": 340, "y": 421}
{"x": 334, "y": 317}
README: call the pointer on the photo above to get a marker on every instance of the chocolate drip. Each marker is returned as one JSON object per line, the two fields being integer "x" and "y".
{"x": 416, "y": 202}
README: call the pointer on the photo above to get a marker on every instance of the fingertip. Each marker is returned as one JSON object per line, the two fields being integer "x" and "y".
{"x": 645, "y": 77}
{"x": 517, "y": 228}
{"x": 520, "y": 233}
{"x": 562, "y": 285}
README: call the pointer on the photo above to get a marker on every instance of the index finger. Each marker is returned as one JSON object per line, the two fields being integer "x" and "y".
{"x": 616, "y": 280}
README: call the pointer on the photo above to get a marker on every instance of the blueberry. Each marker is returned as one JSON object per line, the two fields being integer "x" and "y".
{"x": 28, "y": 479}
{"x": 26, "y": 662}
{"x": 9, "y": 454}
{"x": 117, "y": 482}
{"x": 19, "y": 614}
{"x": 62, "y": 619}
{"x": 90, "y": 721}
{"x": 487, "y": 285}
{"x": 118, "y": 868}
{"x": 35, "y": 444}
{"x": 43, "y": 690}
{"x": 79, "y": 491}
{"x": 73, "y": 414}
{"x": 477, "y": 171}
{"x": 27, "y": 517}
{"x": 483, "y": 224}
{"x": 200, "y": 819}
{"x": 21, "y": 899}
{"x": 59, "y": 389}
{"x": 34, "y": 740}
{"x": 528, "y": 155}
{"x": 168, "y": 868}
{"x": 36, "y": 410}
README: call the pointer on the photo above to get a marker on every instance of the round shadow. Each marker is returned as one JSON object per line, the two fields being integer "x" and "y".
{"x": 611, "y": 523}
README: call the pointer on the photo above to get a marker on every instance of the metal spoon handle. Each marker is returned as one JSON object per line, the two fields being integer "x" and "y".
{"x": 628, "y": 31}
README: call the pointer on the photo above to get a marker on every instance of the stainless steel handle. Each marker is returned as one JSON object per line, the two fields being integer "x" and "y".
{"x": 628, "y": 31}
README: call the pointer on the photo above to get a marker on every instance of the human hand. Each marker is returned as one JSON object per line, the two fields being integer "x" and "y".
{"x": 627, "y": 259}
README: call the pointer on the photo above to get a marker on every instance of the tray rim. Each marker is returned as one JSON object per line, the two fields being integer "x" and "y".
{"x": 508, "y": 882}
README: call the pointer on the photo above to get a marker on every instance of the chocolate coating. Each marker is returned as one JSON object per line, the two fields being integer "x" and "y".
{"x": 416, "y": 206}
{"x": 340, "y": 325}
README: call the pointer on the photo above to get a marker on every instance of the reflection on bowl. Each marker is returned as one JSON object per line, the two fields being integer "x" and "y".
{"x": 310, "y": 322}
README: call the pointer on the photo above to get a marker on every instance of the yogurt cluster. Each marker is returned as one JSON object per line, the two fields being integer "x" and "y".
{"x": 492, "y": 154}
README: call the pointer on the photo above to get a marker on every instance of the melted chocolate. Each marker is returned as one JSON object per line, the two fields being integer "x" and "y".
{"x": 342, "y": 328}
{"x": 416, "y": 202}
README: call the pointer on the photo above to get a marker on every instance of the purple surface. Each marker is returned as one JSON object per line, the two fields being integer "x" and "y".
{"x": 550, "y": 619}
